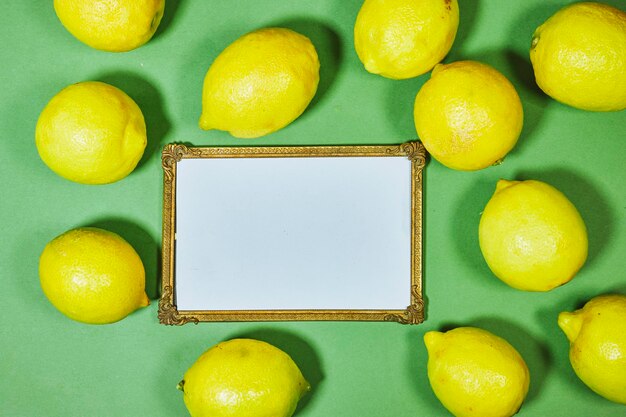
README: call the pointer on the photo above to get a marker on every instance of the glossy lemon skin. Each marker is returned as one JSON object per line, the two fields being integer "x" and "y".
{"x": 243, "y": 378}
{"x": 579, "y": 56}
{"x": 468, "y": 115}
{"x": 260, "y": 83}
{"x": 91, "y": 133}
{"x": 475, "y": 373}
{"x": 93, "y": 276}
{"x": 111, "y": 25}
{"x": 597, "y": 336}
{"x": 531, "y": 236}
{"x": 401, "y": 39}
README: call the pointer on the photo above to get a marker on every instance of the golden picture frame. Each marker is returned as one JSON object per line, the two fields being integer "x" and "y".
{"x": 187, "y": 195}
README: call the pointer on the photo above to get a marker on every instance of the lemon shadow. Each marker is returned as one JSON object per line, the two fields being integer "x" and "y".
{"x": 468, "y": 14}
{"x": 518, "y": 50}
{"x": 400, "y": 101}
{"x": 518, "y": 54}
{"x": 171, "y": 9}
{"x": 524, "y": 26}
{"x": 150, "y": 101}
{"x": 598, "y": 215}
{"x": 416, "y": 369}
{"x": 464, "y": 228}
{"x": 302, "y": 353}
{"x": 329, "y": 51}
{"x": 144, "y": 244}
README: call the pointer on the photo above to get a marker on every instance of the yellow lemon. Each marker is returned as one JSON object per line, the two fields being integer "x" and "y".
{"x": 475, "y": 373}
{"x": 111, "y": 25}
{"x": 93, "y": 276}
{"x": 404, "y": 38}
{"x": 597, "y": 336}
{"x": 91, "y": 133}
{"x": 579, "y": 56}
{"x": 468, "y": 115}
{"x": 243, "y": 378}
{"x": 532, "y": 236}
{"x": 260, "y": 83}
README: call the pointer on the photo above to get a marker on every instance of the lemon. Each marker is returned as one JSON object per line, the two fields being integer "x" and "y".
{"x": 111, "y": 25}
{"x": 476, "y": 373}
{"x": 91, "y": 133}
{"x": 597, "y": 336}
{"x": 468, "y": 115}
{"x": 532, "y": 236}
{"x": 93, "y": 276}
{"x": 260, "y": 83}
{"x": 243, "y": 378}
{"x": 579, "y": 56}
{"x": 404, "y": 38}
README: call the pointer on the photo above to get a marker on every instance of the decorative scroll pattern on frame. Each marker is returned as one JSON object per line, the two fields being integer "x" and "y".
{"x": 168, "y": 314}
{"x": 414, "y": 314}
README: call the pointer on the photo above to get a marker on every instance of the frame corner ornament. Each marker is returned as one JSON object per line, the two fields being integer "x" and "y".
{"x": 172, "y": 153}
{"x": 414, "y": 314}
{"x": 415, "y": 151}
{"x": 168, "y": 313}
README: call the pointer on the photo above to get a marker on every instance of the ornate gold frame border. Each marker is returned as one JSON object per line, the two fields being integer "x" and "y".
{"x": 172, "y": 153}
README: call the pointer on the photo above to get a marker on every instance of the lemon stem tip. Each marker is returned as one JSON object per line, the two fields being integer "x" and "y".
{"x": 437, "y": 68}
{"x": 534, "y": 41}
{"x": 570, "y": 323}
{"x": 431, "y": 339}
{"x": 502, "y": 184}
{"x": 145, "y": 300}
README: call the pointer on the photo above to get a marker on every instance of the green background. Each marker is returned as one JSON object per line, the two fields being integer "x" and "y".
{"x": 51, "y": 366}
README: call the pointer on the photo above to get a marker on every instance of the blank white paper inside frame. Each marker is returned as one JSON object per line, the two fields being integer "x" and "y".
{"x": 293, "y": 233}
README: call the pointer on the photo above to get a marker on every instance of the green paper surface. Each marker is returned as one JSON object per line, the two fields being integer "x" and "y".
{"x": 51, "y": 366}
